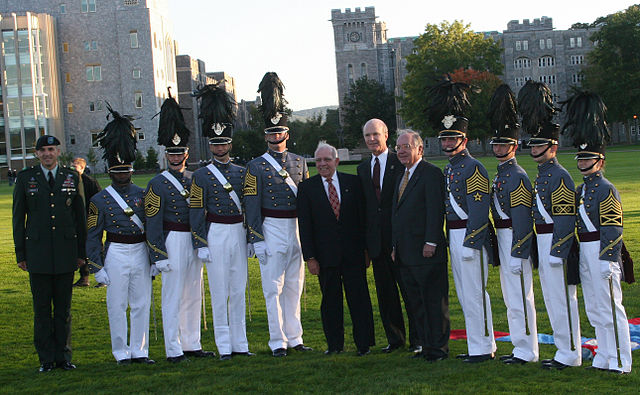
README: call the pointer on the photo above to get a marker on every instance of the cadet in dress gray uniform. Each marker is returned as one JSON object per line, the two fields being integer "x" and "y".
{"x": 123, "y": 263}
{"x": 217, "y": 223}
{"x": 600, "y": 233}
{"x": 467, "y": 211}
{"x": 169, "y": 240}
{"x": 554, "y": 212}
{"x": 511, "y": 201}
{"x": 270, "y": 190}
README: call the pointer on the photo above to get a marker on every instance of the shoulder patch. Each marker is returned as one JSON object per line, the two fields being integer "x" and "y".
{"x": 521, "y": 196}
{"x": 563, "y": 200}
{"x": 92, "y": 217}
{"x": 196, "y": 199}
{"x": 250, "y": 184}
{"x": 477, "y": 183}
{"x": 151, "y": 203}
{"x": 610, "y": 211}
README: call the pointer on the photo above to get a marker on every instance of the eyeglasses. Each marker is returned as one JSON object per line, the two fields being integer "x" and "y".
{"x": 404, "y": 146}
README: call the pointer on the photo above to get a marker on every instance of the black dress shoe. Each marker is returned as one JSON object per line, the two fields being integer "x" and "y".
{"x": 514, "y": 361}
{"x": 545, "y": 361}
{"x": 177, "y": 359}
{"x": 436, "y": 358}
{"x": 245, "y": 353}
{"x": 594, "y": 368}
{"x": 417, "y": 355}
{"x": 302, "y": 347}
{"x": 100, "y": 285}
{"x": 554, "y": 365}
{"x": 45, "y": 367}
{"x": 280, "y": 352}
{"x": 616, "y": 371}
{"x": 363, "y": 352}
{"x": 415, "y": 349}
{"x": 505, "y": 357}
{"x": 200, "y": 354}
{"x": 391, "y": 348}
{"x": 66, "y": 365}
{"x": 225, "y": 357}
{"x": 332, "y": 352}
{"x": 82, "y": 282}
{"x": 479, "y": 358}
{"x": 144, "y": 360}
{"x": 124, "y": 362}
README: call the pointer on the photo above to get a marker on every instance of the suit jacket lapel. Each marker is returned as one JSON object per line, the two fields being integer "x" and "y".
{"x": 389, "y": 169}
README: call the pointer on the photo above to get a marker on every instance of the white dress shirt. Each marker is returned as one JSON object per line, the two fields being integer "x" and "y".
{"x": 383, "y": 164}
{"x": 336, "y": 185}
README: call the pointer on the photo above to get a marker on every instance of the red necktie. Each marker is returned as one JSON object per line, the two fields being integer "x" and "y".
{"x": 376, "y": 178}
{"x": 333, "y": 198}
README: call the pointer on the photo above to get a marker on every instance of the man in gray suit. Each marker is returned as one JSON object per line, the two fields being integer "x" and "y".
{"x": 419, "y": 247}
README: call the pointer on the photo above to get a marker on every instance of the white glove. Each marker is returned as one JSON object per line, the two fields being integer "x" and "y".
{"x": 163, "y": 265}
{"x": 102, "y": 277}
{"x": 203, "y": 254}
{"x": 606, "y": 269}
{"x": 250, "y": 251}
{"x": 515, "y": 265}
{"x": 154, "y": 271}
{"x": 554, "y": 261}
{"x": 468, "y": 253}
{"x": 262, "y": 250}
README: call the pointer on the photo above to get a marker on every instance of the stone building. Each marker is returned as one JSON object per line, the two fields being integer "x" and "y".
{"x": 121, "y": 52}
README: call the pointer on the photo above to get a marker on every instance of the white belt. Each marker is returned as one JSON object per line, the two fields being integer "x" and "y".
{"x": 542, "y": 210}
{"x": 175, "y": 183}
{"x": 124, "y": 206}
{"x": 282, "y": 172}
{"x": 583, "y": 214}
{"x": 454, "y": 205}
{"x": 226, "y": 185}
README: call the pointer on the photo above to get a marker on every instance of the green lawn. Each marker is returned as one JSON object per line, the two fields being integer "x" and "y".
{"x": 309, "y": 372}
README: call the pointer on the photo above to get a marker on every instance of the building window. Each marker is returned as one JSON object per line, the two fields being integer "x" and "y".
{"x": 549, "y": 43}
{"x": 65, "y": 47}
{"x": 577, "y": 59}
{"x": 130, "y": 2}
{"x": 63, "y": 8}
{"x": 363, "y": 70}
{"x": 133, "y": 38}
{"x": 94, "y": 72}
{"x": 72, "y": 139}
{"x": 542, "y": 43}
{"x": 140, "y": 135}
{"x": 518, "y": 45}
{"x": 70, "y": 108}
{"x": 67, "y": 77}
{"x": 522, "y": 63}
{"x": 572, "y": 42}
{"x": 88, "y": 5}
{"x": 577, "y": 78}
{"x": 525, "y": 45}
{"x": 546, "y": 61}
{"x": 137, "y": 99}
{"x": 548, "y": 79}
{"x": 99, "y": 106}
{"x": 350, "y": 79}
{"x": 136, "y": 73}
{"x": 92, "y": 106}
{"x": 94, "y": 138}
{"x": 579, "y": 41}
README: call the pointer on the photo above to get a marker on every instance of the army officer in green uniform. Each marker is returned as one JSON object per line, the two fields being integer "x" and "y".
{"x": 49, "y": 232}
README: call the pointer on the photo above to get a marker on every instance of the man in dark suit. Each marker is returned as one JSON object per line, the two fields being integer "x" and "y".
{"x": 331, "y": 221}
{"x": 88, "y": 187}
{"x": 49, "y": 232}
{"x": 378, "y": 177}
{"x": 419, "y": 248}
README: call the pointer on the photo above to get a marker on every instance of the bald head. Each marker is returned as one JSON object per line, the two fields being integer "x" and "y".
{"x": 375, "y": 134}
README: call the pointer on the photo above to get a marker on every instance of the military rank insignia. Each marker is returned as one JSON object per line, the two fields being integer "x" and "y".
{"x": 610, "y": 211}
{"x": 250, "y": 185}
{"x": 68, "y": 185}
{"x": 521, "y": 196}
{"x": 196, "y": 199}
{"x": 477, "y": 183}
{"x": 563, "y": 200}
{"x": 92, "y": 217}
{"x": 151, "y": 203}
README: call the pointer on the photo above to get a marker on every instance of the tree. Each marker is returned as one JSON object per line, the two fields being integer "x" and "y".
{"x": 92, "y": 158}
{"x": 439, "y": 50}
{"x": 140, "y": 162}
{"x": 613, "y": 66}
{"x": 366, "y": 99}
{"x": 249, "y": 143}
{"x": 65, "y": 158}
{"x": 152, "y": 159}
{"x": 305, "y": 135}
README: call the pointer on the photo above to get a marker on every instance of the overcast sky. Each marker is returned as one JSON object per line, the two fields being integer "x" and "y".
{"x": 247, "y": 38}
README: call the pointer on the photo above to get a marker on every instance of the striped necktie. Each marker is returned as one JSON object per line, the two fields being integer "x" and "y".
{"x": 333, "y": 199}
{"x": 403, "y": 185}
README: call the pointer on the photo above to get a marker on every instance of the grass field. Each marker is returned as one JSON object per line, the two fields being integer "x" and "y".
{"x": 308, "y": 372}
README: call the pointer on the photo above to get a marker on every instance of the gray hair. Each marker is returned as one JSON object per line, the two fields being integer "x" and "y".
{"x": 414, "y": 137}
{"x": 323, "y": 144}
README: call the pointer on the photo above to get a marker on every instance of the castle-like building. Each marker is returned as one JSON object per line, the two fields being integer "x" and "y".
{"x": 532, "y": 50}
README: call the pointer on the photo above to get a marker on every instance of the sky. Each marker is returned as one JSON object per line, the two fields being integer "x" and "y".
{"x": 247, "y": 38}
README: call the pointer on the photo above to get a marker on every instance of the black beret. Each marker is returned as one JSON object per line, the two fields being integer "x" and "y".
{"x": 46, "y": 140}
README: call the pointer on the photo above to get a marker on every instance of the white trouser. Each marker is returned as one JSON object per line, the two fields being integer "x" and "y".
{"x": 282, "y": 281}
{"x": 227, "y": 274}
{"x": 554, "y": 290}
{"x": 181, "y": 296}
{"x": 597, "y": 303}
{"x": 469, "y": 285}
{"x": 127, "y": 266}
{"x": 516, "y": 299}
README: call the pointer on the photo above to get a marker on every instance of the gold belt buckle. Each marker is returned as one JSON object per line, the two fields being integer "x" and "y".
{"x": 283, "y": 173}
{"x": 129, "y": 211}
{"x": 227, "y": 187}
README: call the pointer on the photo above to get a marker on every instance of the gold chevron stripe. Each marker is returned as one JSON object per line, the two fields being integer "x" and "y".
{"x": 92, "y": 218}
{"x": 196, "y": 200}
{"x": 256, "y": 233}
{"x": 250, "y": 185}
{"x": 521, "y": 242}
{"x": 477, "y": 183}
{"x": 563, "y": 200}
{"x": 610, "y": 211}
{"x": 521, "y": 196}
{"x": 156, "y": 249}
{"x": 199, "y": 238}
{"x": 610, "y": 246}
{"x": 562, "y": 241}
{"x": 151, "y": 203}
{"x": 475, "y": 232}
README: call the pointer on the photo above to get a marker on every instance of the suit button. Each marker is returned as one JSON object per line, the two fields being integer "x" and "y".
{"x": 53, "y": 217}
{"x": 379, "y": 210}
{"x": 53, "y": 228}
{"x": 52, "y": 205}
{"x": 51, "y": 194}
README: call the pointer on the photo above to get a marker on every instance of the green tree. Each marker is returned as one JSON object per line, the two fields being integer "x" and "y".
{"x": 152, "y": 159}
{"x": 305, "y": 135}
{"x": 613, "y": 66}
{"x": 439, "y": 50}
{"x": 249, "y": 143}
{"x": 366, "y": 99}
{"x": 92, "y": 158}
{"x": 65, "y": 158}
{"x": 140, "y": 163}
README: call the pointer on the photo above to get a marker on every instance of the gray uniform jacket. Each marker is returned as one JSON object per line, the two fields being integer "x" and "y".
{"x": 556, "y": 190}
{"x": 163, "y": 203}
{"x": 264, "y": 188}
{"x": 603, "y": 207}
{"x": 467, "y": 182}
{"x": 106, "y": 215}
{"x": 208, "y": 195}
{"x": 512, "y": 189}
